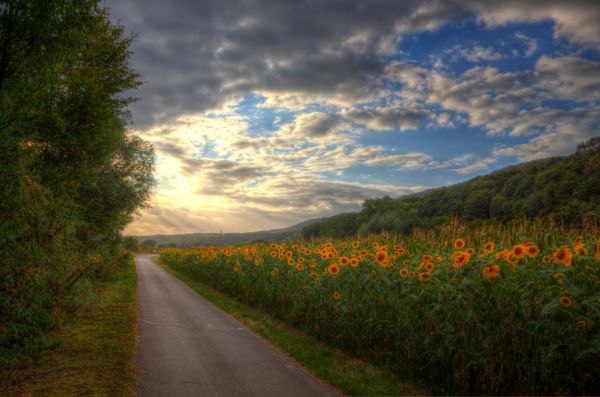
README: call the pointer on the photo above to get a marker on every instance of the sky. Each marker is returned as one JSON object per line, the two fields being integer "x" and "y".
{"x": 266, "y": 113}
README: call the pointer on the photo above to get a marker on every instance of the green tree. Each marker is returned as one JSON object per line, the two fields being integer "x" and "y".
{"x": 70, "y": 175}
{"x": 565, "y": 189}
{"x": 149, "y": 243}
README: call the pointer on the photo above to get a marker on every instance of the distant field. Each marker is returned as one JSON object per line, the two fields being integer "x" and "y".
{"x": 194, "y": 239}
{"x": 487, "y": 310}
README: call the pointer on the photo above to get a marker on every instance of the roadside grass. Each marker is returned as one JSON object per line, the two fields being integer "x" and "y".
{"x": 350, "y": 375}
{"x": 97, "y": 353}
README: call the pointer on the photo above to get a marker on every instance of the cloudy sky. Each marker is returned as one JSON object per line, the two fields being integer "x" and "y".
{"x": 267, "y": 113}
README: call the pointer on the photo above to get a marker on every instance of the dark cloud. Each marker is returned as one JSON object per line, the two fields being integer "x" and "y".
{"x": 569, "y": 78}
{"x": 197, "y": 55}
{"x": 316, "y": 197}
{"x": 386, "y": 118}
{"x": 169, "y": 148}
{"x": 315, "y": 124}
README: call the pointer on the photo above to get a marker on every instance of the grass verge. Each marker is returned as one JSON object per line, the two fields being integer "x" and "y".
{"x": 352, "y": 376}
{"x": 97, "y": 354}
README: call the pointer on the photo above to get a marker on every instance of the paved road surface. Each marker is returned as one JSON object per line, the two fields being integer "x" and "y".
{"x": 189, "y": 347}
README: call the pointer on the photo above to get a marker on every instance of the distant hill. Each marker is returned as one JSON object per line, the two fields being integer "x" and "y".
{"x": 194, "y": 239}
{"x": 563, "y": 189}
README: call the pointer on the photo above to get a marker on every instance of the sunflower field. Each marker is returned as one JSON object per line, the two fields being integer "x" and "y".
{"x": 486, "y": 310}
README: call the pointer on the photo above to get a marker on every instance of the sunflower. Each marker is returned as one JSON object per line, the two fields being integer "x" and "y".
{"x": 403, "y": 272}
{"x": 288, "y": 254}
{"x": 353, "y": 262}
{"x": 581, "y": 324}
{"x": 502, "y": 254}
{"x": 235, "y": 269}
{"x": 562, "y": 256}
{"x": 364, "y": 252}
{"x": 459, "y": 243}
{"x": 532, "y": 250}
{"x": 427, "y": 258}
{"x": 423, "y": 276}
{"x": 491, "y": 272}
{"x": 299, "y": 266}
{"x": 333, "y": 269}
{"x": 344, "y": 261}
{"x": 488, "y": 247}
{"x": 546, "y": 259}
{"x": 438, "y": 258}
{"x": 381, "y": 257}
{"x": 429, "y": 266}
{"x": 312, "y": 264}
{"x": 336, "y": 295}
{"x": 470, "y": 251}
{"x": 460, "y": 259}
{"x": 273, "y": 254}
{"x": 559, "y": 277}
{"x": 356, "y": 244}
{"x": 513, "y": 260}
{"x": 518, "y": 251}
{"x": 565, "y": 301}
{"x": 580, "y": 251}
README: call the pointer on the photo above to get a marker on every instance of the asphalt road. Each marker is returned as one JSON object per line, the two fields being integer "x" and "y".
{"x": 189, "y": 347}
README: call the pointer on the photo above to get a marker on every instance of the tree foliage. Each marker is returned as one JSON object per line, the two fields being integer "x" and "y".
{"x": 560, "y": 189}
{"x": 70, "y": 175}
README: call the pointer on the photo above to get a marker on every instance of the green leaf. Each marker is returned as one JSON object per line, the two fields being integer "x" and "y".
{"x": 549, "y": 308}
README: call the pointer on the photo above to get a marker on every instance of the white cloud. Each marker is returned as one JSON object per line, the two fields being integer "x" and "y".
{"x": 574, "y": 20}
{"x": 475, "y": 54}
{"x": 531, "y": 44}
{"x": 407, "y": 161}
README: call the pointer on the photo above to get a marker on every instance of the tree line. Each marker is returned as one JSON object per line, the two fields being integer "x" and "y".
{"x": 564, "y": 190}
{"x": 70, "y": 174}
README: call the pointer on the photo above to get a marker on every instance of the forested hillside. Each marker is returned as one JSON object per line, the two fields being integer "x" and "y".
{"x": 561, "y": 189}
{"x": 70, "y": 176}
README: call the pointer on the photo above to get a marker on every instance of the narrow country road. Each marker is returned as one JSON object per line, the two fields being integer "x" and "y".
{"x": 189, "y": 347}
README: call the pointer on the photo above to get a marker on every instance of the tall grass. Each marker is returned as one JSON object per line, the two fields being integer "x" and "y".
{"x": 529, "y": 326}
